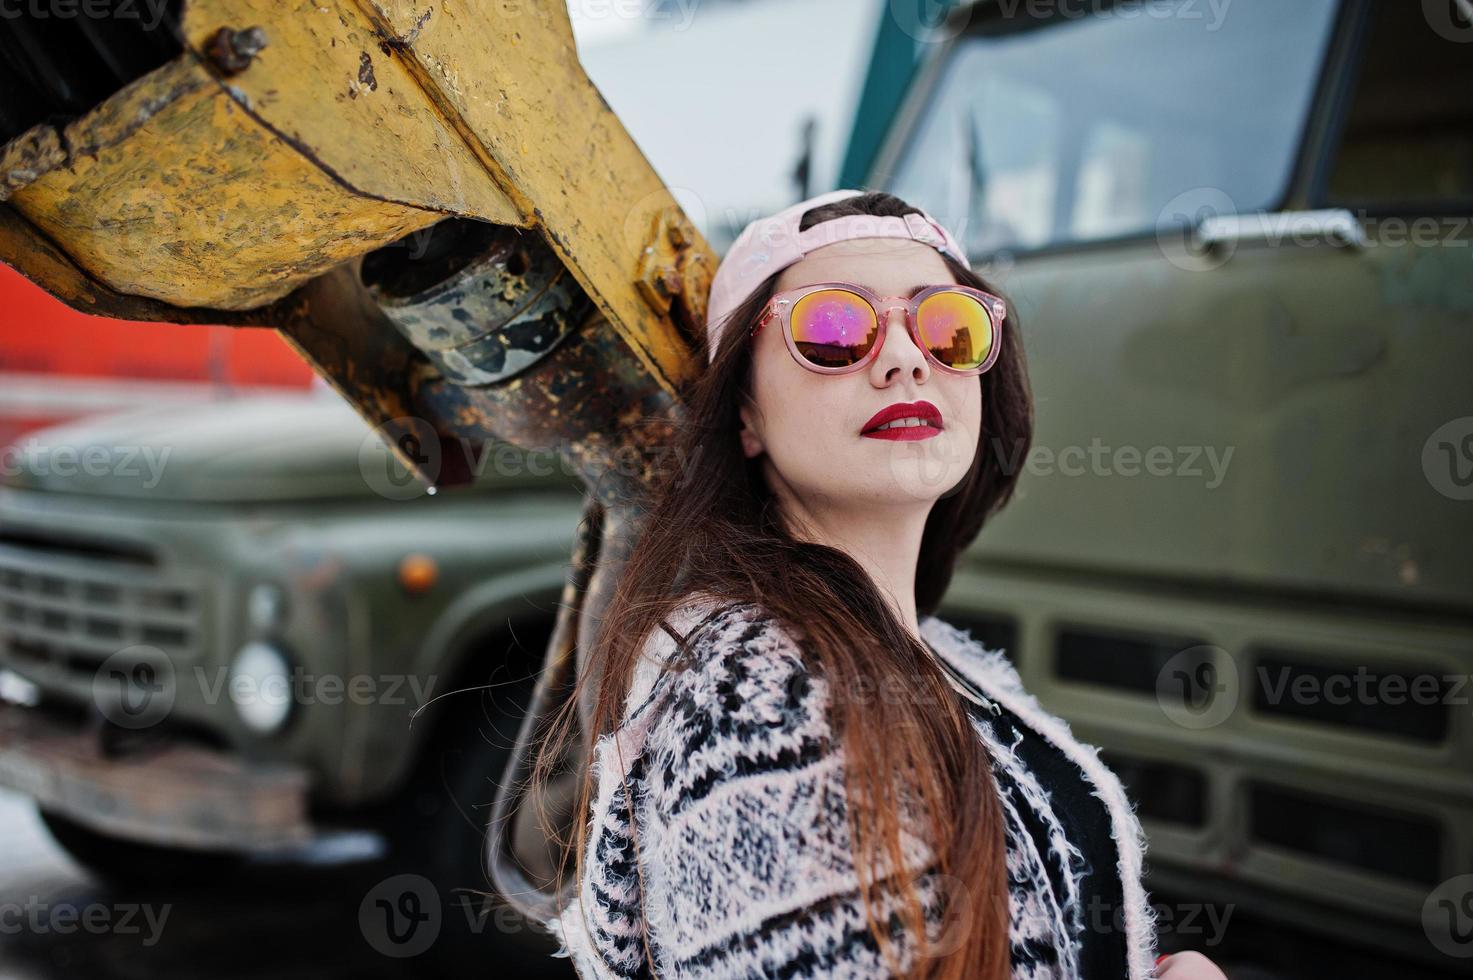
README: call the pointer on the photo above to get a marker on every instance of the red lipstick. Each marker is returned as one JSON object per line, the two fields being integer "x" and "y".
{"x": 904, "y": 415}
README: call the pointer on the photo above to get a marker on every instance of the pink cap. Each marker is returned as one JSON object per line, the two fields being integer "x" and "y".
{"x": 771, "y": 244}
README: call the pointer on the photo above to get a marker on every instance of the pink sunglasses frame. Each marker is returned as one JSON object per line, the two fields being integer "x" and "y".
{"x": 782, "y": 304}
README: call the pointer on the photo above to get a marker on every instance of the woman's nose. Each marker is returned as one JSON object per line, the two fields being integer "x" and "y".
{"x": 899, "y": 353}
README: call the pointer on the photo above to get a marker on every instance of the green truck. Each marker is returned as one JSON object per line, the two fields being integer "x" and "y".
{"x": 243, "y": 634}
{"x": 1239, "y": 239}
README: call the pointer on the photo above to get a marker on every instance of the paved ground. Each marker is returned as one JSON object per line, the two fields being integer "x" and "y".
{"x": 57, "y": 921}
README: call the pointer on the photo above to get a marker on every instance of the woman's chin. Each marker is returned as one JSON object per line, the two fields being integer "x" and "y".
{"x": 919, "y": 470}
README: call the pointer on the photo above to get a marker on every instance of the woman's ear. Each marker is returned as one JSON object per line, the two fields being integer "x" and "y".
{"x": 751, "y": 439}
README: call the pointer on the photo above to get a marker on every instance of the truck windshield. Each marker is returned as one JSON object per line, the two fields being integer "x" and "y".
{"x": 1113, "y": 123}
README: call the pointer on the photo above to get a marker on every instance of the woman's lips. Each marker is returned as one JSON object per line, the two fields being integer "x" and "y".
{"x": 905, "y": 433}
{"x": 902, "y": 417}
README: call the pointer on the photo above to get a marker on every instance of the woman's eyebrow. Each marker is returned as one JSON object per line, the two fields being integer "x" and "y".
{"x": 915, "y": 289}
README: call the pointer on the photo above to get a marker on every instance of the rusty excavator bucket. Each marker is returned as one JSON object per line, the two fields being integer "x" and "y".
{"x": 430, "y": 201}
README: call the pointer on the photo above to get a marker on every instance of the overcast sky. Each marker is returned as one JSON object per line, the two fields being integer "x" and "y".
{"x": 715, "y": 93}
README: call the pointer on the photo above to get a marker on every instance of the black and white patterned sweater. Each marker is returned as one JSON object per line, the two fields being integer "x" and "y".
{"x": 744, "y": 869}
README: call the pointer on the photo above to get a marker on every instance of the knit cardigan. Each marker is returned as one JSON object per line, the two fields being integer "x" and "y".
{"x": 727, "y": 775}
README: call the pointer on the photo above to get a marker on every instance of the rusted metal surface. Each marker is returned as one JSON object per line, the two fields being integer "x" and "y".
{"x": 39, "y": 259}
{"x": 332, "y": 87}
{"x": 28, "y": 156}
{"x": 581, "y": 179}
{"x": 44, "y": 150}
{"x": 342, "y": 333}
{"x": 589, "y": 400}
{"x": 675, "y": 273}
{"x": 269, "y": 153}
{"x": 232, "y": 51}
{"x": 500, "y": 302}
{"x": 200, "y": 205}
{"x": 290, "y": 137}
{"x": 176, "y": 794}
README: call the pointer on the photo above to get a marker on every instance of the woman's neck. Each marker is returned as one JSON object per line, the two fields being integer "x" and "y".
{"x": 885, "y": 543}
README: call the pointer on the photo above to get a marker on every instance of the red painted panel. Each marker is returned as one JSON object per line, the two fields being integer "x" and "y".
{"x": 101, "y": 364}
{"x": 40, "y": 334}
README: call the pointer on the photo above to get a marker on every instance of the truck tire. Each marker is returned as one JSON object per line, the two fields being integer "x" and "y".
{"x": 125, "y": 862}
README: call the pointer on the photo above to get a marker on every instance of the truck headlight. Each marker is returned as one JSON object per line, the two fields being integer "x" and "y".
{"x": 260, "y": 686}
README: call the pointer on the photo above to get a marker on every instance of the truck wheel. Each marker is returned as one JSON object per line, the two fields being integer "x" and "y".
{"x": 126, "y": 862}
{"x": 437, "y": 832}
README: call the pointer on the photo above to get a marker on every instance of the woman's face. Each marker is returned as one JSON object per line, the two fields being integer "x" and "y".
{"x": 809, "y": 426}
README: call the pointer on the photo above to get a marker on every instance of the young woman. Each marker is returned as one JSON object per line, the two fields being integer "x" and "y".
{"x": 798, "y": 769}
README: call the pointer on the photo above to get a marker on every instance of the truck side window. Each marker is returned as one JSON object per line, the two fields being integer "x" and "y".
{"x": 1408, "y": 138}
{"x": 1078, "y": 127}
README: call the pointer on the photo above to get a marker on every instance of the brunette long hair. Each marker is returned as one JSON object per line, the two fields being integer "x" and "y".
{"x": 711, "y": 526}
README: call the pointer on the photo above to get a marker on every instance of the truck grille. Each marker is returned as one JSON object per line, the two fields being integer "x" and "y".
{"x": 73, "y": 606}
